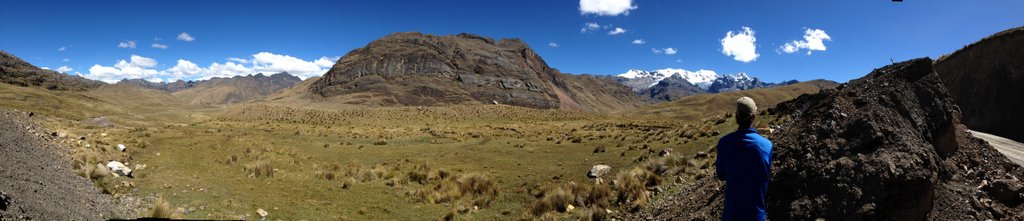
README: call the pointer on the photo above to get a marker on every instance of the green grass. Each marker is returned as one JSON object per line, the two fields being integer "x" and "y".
{"x": 196, "y": 157}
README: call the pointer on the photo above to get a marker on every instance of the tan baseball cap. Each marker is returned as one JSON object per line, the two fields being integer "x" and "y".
{"x": 745, "y": 106}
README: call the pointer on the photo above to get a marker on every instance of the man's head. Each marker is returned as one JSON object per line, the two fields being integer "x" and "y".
{"x": 745, "y": 112}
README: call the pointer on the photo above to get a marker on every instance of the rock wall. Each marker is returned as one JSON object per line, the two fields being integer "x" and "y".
{"x": 987, "y": 81}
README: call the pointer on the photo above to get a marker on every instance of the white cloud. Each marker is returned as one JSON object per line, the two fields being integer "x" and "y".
{"x": 160, "y": 46}
{"x": 552, "y": 44}
{"x": 325, "y": 62}
{"x": 589, "y": 26}
{"x": 272, "y": 63}
{"x": 670, "y": 51}
{"x": 741, "y": 45}
{"x": 666, "y": 51}
{"x": 142, "y": 61}
{"x": 44, "y": 68}
{"x": 64, "y": 69}
{"x": 264, "y": 62}
{"x": 606, "y": 7}
{"x": 184, "y": 36}
{"x": 617, "y": 31}
{"x": 813, "y": 41}
{"x": 157, "y": 38}
{"x": 65, "y": 60}
{"x": 126, "y": 44}
{"x": 639, "y": 41}
{"x": 62, "y": 48}
{"x": 137, "y": 67}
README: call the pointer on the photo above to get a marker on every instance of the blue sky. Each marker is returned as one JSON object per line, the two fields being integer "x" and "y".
{"x": 305, "y": 37}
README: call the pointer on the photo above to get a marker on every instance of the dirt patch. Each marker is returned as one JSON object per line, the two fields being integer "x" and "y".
{"x": 887, "y": 146}
{"x": 36, "y": 181}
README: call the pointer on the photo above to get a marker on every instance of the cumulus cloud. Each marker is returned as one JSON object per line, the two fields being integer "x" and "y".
{"x": 264, "y": 62}
{"x": 670, "y": 51}
{"x": 813, "y": 41}
{"x": 552, "y": 44}
{"x": 589, "y": 27}
{"x": 184, "y": 36}
{"x": 639, "y": 41}
{"x": 272, "y": 63}
{"x": 617, "y": 31}
{"x": 740, "y": 45}
{"x": 135, "y": 67}
{"x": 606, "y": 7}
{"x": 666, "y": 51}
{"x": 326, "y": 62}
{"x": 160, "y": 46}
{"x": 126, "y": 44}
{"x": 64, "y": 69}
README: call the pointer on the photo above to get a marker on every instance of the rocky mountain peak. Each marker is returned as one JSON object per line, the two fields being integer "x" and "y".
{"x": 422, "y": 69}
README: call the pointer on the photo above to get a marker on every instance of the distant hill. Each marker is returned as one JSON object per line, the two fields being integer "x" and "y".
{"x": 221, "y": 90}
{"x": 15, "y": 71}
{"x": 236, "y": 89}
{"x": 704, "y": 105}
{"x": 672, "y": 84}
{"x": 163, "y": 86}
{"x": 985, "y": 79}
{"x": 413, "y": 69}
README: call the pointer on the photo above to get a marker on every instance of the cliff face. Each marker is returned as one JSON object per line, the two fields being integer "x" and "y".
{"x": 985, "y": 79}
{"x": 419, "y": 69}
{"x": 15, "y": 71}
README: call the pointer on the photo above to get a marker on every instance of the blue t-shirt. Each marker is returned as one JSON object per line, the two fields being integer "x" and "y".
{"x": 745, "y": 163}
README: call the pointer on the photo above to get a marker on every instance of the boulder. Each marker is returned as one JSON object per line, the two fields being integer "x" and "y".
{"x": 119, "y": 169}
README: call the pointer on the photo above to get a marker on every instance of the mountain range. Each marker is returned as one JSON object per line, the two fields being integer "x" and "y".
{"x": 222, "y": 90}
{"x": 671, "y": 84}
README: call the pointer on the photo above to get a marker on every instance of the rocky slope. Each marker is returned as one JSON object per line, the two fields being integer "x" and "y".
{"x": 420, "y": 69}
{"x": 888, "y": 146}
{"x": 236, "y": 89}
{"x": 15, "y": 71}
{"x": 37, "y": 183}
{"x": 985, "y": 78}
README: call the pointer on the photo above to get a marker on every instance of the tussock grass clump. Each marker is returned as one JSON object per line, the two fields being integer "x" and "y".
{"x": 162, "y": 209}
{"x": 473, "y": 189}
{"x": 259, "y": 169}
{"x": 631, "y": 187}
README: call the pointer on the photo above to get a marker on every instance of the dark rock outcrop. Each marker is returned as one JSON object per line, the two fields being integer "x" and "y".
{"x": 888, "y": 146}
{"x": 987, "y": 80}
{"x": 428, "y": 70}
{"x": 15, "y": 71}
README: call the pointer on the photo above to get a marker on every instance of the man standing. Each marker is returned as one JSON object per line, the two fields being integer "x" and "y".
{"x": 744, "y": 163}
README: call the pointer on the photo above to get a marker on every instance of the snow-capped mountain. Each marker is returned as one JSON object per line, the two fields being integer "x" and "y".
{"x": 640, "y": 79}
{"x": 670, "y": 83}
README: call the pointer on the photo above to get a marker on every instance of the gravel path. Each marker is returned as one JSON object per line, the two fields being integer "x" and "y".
{"x": 1011, "y": 149}
{"x": 36, "y": 181}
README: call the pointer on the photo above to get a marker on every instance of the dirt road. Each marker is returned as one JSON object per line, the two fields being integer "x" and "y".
{"x": 1011, "y": 149}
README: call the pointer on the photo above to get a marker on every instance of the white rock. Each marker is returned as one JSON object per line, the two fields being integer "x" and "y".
{"x": 119, "y": 169}
{"x": 120, "y": 147}
{"x": 599, "y": 170}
